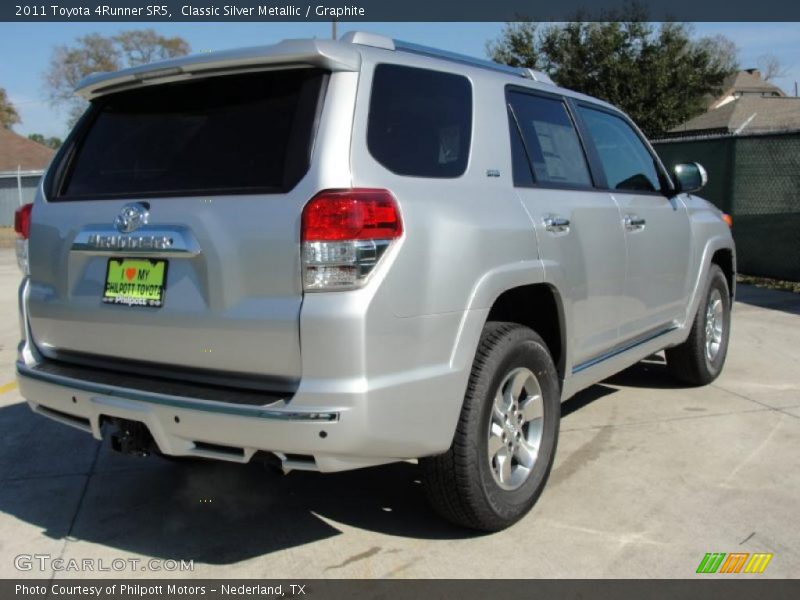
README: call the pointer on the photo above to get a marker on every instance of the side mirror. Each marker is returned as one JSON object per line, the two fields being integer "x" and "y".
{"x": 689, "y": 177}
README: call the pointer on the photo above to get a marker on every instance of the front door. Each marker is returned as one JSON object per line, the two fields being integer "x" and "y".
{"x": 657, "y": 231}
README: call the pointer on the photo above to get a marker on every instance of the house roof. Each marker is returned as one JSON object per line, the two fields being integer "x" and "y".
{"x": 750, "y": 114}
{"x": 747, "y": 81}
{"x": 17, "y": 151}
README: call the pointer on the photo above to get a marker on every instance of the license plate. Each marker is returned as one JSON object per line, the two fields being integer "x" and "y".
{"x": 135, "y": 282}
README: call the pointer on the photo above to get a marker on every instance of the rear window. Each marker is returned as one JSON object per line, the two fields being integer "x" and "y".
{"x": 226, "y": 135}
{"x": 420, "y": 121}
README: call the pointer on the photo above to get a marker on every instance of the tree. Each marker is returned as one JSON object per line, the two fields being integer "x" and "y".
{"x": 69, "y": 65}
{"x": 723, "y": 52}
{"x": 51, "y": 142}
{"x": 659, "y": 75}
{"x": 518, "y": 46}
{"x": 142, "y": 46}
{"x": 771, "y": 67}
{"x": 8, "y": 114}
{"x": 94, "y": 53}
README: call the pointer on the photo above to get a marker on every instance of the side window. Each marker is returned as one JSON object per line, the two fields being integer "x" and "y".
{"x": 520, "y": 167}
{"x": 550, "y": 140}
{"x": 420, "y": 121}
{"x": 627, "y": 163}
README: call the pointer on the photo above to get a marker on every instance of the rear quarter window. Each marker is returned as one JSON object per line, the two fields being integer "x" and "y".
{"x": 420, "y": 121}
{"x": 228, "y": 134}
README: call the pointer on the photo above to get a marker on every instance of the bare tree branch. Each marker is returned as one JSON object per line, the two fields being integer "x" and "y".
{"x": 771, "y": 67}
{"x": 94, "y": 53}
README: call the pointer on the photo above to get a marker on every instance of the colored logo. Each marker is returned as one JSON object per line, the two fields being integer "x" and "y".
{"x": 735, "y": 562}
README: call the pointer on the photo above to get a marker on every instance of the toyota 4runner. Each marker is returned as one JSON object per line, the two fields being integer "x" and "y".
{"x": 345, "y": 253}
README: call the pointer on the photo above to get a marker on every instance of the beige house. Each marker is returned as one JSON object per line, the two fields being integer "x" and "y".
{"x": 747, "y": 83}
{"x": 747, "y": 105}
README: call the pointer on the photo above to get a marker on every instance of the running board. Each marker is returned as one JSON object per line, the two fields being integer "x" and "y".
{"x": 621, "y": 349}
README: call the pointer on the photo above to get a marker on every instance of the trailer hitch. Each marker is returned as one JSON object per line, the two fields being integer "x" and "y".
{"x": 131, "y": 437}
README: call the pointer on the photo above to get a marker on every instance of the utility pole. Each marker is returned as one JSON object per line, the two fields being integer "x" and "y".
{"x": 19, "y": 184}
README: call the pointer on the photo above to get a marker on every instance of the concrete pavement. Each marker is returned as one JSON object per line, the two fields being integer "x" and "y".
{"x": 649, "y": 477}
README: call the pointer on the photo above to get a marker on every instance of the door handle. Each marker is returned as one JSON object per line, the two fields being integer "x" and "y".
{"x": 634, "y": 222}
{"x": 556, "y": 224}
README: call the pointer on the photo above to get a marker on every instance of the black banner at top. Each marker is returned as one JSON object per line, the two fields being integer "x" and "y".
{"x": 397, "y": 10}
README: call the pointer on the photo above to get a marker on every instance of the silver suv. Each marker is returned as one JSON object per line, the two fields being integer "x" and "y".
{"x": 338, "y": 254}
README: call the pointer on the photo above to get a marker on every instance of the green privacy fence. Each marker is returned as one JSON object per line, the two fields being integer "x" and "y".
{"x": 756, "y": 179}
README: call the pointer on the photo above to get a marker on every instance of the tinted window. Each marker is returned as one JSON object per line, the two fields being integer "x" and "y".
{"x": 420, "y": 121}
{"x": 627, "y": 163}
{"x": 550, "y": 139}
{"x": 230, "y": 134}
{"x": 520, "y": 166}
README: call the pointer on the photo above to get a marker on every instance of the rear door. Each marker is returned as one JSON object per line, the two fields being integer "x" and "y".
{"x": 657, "y": 229}
{"x": 190, "y": 187}
{"x": 579, "y": 230}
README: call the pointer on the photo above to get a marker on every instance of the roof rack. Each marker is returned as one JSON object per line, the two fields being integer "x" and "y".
{"x": 455, "y": 57}
{"x": 380, "y": 41}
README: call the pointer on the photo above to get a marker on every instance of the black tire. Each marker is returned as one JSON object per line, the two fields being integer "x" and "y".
{"x": 690, "y": 362}
{"x": 460, "y": 483}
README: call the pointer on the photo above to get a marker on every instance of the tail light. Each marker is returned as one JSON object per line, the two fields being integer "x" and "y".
{"x": 22, "y": 226}
{"x": 22, "y": 221}
{"x": 728, "y": 219}
{"x": 344, "y": 234}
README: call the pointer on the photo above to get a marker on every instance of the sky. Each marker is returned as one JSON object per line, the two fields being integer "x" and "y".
{"x": 25, "y": 49}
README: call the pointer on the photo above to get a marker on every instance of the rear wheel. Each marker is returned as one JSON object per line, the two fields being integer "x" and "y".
{"x": 699, "y": 360}
{"x": 506, "y": 437}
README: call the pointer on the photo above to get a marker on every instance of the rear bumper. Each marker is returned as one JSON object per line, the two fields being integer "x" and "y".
{"x": 361, "y": 401}
{"x": 350, "y": 433}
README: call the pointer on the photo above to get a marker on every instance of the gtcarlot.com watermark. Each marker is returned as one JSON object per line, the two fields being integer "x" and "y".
{"x": 45, "y": 562}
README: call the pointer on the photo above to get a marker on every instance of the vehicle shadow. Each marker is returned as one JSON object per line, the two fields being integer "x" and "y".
{"x": 70, "y": 486}
{"x": 585, "y": 398}
{"x": 766, "y": 298}
{"x": 649, "y": 373}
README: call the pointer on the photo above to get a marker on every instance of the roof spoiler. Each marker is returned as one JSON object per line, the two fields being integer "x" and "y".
{"x": 324, "y": 54}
